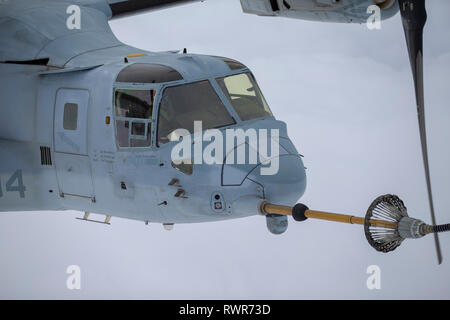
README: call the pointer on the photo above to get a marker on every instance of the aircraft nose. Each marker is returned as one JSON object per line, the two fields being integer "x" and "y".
{"x": 287, "y": 184}
{"x": 282, "y": 175}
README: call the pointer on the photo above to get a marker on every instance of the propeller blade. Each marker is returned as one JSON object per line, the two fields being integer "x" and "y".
{"x": 414, "y": 17}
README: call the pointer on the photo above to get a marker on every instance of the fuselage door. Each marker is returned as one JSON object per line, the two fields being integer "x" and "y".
{"x": 70, "y": 135}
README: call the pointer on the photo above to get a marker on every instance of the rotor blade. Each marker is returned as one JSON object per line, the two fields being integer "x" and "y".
{"x": 414, "y": 17}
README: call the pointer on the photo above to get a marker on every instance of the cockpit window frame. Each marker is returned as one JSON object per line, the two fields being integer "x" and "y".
{"x": 217, "y": 90}
{"x": 143, "y": 87}
{"x": 160, "y": 87}
{"x": 229, "y": 103}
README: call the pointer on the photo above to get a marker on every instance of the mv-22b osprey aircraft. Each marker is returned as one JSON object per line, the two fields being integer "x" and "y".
{"x": 88, "y": 123}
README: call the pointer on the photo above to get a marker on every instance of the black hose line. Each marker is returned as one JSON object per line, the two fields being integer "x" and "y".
{"x": 441, "y": 228}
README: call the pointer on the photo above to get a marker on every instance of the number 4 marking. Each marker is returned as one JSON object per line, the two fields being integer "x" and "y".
{"x": 11, "y": 187}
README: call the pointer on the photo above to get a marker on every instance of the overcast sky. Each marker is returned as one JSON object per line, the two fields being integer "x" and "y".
{"x": 347, "y": 96}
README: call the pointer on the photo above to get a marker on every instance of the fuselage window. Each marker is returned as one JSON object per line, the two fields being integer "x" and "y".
{"x": 245, "y": 96}
{"x": 134, "y": 109}
{"x": 181, "y": 105}
{"x": 70, "y": 120}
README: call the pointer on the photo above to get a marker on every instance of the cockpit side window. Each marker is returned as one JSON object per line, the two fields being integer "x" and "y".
{"x": 181, "y": 105}
{"x": 245, "y": 96}
{"x": 134, "y": 110}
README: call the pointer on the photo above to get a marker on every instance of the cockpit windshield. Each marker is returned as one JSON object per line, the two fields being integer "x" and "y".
{"x": 245, "y": 96}
{"x": 181, "y": 105}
